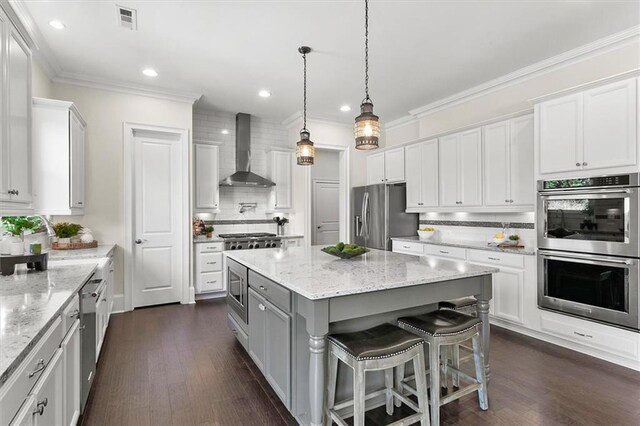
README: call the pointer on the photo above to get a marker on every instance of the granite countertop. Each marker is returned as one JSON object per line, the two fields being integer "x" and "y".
{"x": 29, "y": 303}
{"x": 317, "y": 275}
{"x": 290, "y": 236}
{"x": 200, "y": 240}
{"x": 92, "y": 253}
{"x": 471, "y": 244}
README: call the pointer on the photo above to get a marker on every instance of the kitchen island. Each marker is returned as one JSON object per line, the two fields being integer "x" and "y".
{"x": 296, "y": 296}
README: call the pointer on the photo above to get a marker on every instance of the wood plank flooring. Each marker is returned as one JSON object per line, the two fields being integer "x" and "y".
{"x": 180, "y": 365}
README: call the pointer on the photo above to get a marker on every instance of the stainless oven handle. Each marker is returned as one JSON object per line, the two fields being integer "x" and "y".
{"x": 585, "y": 258}
{"x": 556, "y": 193}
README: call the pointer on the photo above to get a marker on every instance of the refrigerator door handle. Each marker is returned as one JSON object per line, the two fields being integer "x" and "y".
{"x": 367, "y": 216}
{"x": 358, "y": 225}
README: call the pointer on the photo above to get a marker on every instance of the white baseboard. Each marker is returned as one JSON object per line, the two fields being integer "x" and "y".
{"x": 118, "y": 304}
{"x": 213, "y": 295}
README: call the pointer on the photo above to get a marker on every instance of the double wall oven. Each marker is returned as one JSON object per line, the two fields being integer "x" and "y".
{"x": 589, "y": 248}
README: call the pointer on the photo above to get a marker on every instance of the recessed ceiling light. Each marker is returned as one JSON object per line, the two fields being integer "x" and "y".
{"x": 264, "y": 93}
{"x": 150, "y": 72}
{"x": 345, "y": 108}
{"x": 57, "y": 24}
{"x": 224, "y": 131}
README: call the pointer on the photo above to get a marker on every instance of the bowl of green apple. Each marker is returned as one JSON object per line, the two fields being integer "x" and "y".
{"x": 345, "y": 251}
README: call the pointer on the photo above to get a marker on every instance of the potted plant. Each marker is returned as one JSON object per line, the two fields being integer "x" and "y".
{"x": 19, "y": 225}
{"x": 208, "y": 230}
{"x": 65, "y": 231}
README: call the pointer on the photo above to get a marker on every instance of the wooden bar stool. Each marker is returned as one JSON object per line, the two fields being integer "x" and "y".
{"x": 379, "y": 348}
{"x": 443, "y": 328}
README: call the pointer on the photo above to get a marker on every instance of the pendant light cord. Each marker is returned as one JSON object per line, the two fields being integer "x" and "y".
{"x": 304, "y": 91}
{"x": 366, "y": 50}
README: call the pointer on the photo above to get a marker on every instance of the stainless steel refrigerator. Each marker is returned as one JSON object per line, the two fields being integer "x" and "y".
{"x": 378, "y": 214}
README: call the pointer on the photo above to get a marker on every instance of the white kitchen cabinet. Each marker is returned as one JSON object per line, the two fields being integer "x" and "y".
{"x": 15, "y": 131}
{"x": 386, "y": 166}
{"x": 49, "y": 394}
{"x": 592, "y": 129}
{"x": 460, "y": 169}
{"x": 610, "y": 120}
{"x": 208, "y": 268}
{"x": 207, "y": 195}
{"x": 508, "y": 166}
{"x": 508, "y": 295}
{"x": 421, "y": 170}
{"x": 375, "y": 168}
{"x": 279, "y": 170}
{"x": 58, "y": 158}
{"x": 26, "y": 414}
{"x": 71, "y": 375}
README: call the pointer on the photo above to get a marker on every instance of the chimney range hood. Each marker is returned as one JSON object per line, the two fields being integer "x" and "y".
{"x": 243, "y": 177}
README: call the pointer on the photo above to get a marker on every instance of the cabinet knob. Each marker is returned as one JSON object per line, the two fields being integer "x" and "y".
{"x": 263, "y": 288}
{"x": 506, "y": 201}
{"x": 511, "y": 201}
{"x": 13, "y": 192}
{"x": 584, "y": 164}
{"x": 577, "y": 164}
{"x": 261, "y": 307}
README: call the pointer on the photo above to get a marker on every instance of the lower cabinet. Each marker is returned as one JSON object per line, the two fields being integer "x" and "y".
{"x": 270, "y": 343}
{"x": 26, "y": 413}
{"x": 508, "y": 295}
{"x": 71, "y": 375}
{"x": 49, "y": 394}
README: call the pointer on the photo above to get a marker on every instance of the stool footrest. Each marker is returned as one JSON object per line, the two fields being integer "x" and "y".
{"x": 459, "y": 393}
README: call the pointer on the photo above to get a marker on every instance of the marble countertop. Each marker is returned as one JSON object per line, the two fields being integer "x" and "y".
{"x": 29, "y": 303}
{"x": 200, "y": 240}
{"x": 92, "y": 253}
{"x": 316, "y": 275}
{"x": 471, "y": 244}
{"x": 290, "y": 236}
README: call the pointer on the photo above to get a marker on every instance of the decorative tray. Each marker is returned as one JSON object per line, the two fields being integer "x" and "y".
{"x": 74, "y": 246}
{"x": 343, "y": 255}
{"x": 507, "y": 245}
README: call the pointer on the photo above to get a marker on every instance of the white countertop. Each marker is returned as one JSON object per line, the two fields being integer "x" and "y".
{"x": 91, "y": 253}
{"x": 29, "y": 303}
{"x": 317, "y": 275}
{"x": 200, "y": 239}
{"x": 472, "y": 244}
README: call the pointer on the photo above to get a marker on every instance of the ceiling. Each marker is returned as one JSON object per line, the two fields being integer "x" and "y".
{"x": 421, "y": 51}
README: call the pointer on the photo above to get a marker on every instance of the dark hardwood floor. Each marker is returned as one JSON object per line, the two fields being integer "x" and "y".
{"x": 180, "y": 365}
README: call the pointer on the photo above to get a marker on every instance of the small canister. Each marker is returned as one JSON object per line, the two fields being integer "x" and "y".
{"x": 35, "y": 248}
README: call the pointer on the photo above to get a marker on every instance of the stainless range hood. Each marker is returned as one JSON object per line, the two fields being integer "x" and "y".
{"x": 243, "y": 177}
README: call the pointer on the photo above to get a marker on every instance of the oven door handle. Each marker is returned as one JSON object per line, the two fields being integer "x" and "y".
{"x": 585, "y": 258}
{"x": 556, "y": 193}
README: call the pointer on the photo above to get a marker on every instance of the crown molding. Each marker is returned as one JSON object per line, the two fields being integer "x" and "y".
{"x": 121, "y": 87}
{"x": 402, "y": 121}
{"x": 297, "y": 117}
{"x": 598, "y": 47}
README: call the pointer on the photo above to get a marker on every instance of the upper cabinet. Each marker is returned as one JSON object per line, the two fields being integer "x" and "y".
{"x": 460, "y": 169}
{"x": 58, "y": 158}
{"x": 421, "y": 169}
{"x": 15, "y": 128}
{"x": 279, "y": 169}
{"x": 589, "y": 130}
{"x": 386, "y": 166}
{"x": 206, "y": 160}
{"x": 508, "y": 165}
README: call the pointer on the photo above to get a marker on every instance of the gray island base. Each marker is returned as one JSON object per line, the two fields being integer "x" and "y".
{"x": 309, "y": 294}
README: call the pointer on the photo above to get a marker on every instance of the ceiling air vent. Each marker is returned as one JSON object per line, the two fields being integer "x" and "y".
{"x": 127, "y": 18}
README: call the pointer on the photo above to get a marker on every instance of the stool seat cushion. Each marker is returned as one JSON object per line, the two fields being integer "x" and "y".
{"x": 438, "y": 323}
{"x": 463, "y": 302}
{"x": 383, "y": 341}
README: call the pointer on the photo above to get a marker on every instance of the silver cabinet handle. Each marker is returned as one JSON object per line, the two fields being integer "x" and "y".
{"x": 40, "y": 406}
{"x": 443, "y": 252}
{"x": 577, "y": 164}
{"x": 407, "y": 247}
{"x": 211, "y": 282}
{"x": 75, "y": 314}
{"x": 506, "y": 201}
{"x": 211, "y": 263}
{"x": 263, "y": 288}
{"x": 138, "y": 241}
{"x": 583, "y": 335}
{"x": 493, "y": 258}
{"x": 261, "y": 307}
{"x": 584, "y": 164}
{"x": 80, "y": 202}
{"x": 13, "y": 192}
{"x": 39, "y": 367}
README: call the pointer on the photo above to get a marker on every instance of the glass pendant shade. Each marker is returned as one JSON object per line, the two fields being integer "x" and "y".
{"x": 305, "y": 152}
{"x": 367, "y": 127}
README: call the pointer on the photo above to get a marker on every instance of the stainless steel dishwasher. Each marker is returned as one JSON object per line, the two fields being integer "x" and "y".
{"x": 89, "y": 296}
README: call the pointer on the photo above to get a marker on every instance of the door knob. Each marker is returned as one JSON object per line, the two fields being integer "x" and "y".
{"x": 319, "y": 226}
{"x": 138, "y": 241}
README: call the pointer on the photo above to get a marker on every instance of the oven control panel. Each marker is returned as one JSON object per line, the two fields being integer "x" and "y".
{"x": 590, "y": 182}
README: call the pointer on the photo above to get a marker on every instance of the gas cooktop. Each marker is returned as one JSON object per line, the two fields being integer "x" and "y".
{"x": 250, "y": 240}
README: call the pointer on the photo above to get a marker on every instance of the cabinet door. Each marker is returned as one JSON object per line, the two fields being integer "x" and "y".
{"x": 610, "y": 120}
{"x": 413, "y": 168}
{"x": 19, "y": 115}
{"x": 48, "y": 393}
{"x": 71, "y": 375}
{"x": 4, "y": 159}
{"x": 521, "y": 173}
{"x": 429, "y": 175}
{"x": 496, "y": 164}
{"x": 448, "y": 171}
{"x": 76, "y": 161}
{"x": 257, "y": 328}
{"x": 394, "y": 165}
{"x": 375, "y": 168}
{"x": 207, "y": 195}
{"x": 508, "y": 295}
{"x": 561, "y": 134}
{"x": 282, "y": 179}
{"x": 99, "y": 326}
{"x": 26, "y": 413}
{"x": 278, "y": 352}
{"x": 470, "y": 168}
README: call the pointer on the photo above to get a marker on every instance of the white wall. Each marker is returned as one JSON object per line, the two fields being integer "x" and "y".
{"x": 326, "y": 165}
{"x": 265, "y": 135}
{"x": 105, "y": 112}
{"x": 41, "y": 85}
{"x": 516, "y": 97}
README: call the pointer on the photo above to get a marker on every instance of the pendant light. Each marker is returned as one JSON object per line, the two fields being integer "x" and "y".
{"x": 367, "y": 127}
{"x": 305, "y": 152}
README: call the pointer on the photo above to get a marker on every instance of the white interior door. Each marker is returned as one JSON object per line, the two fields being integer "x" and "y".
{"x": 326, "y": 218}
{"x": 157, "y": 225}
